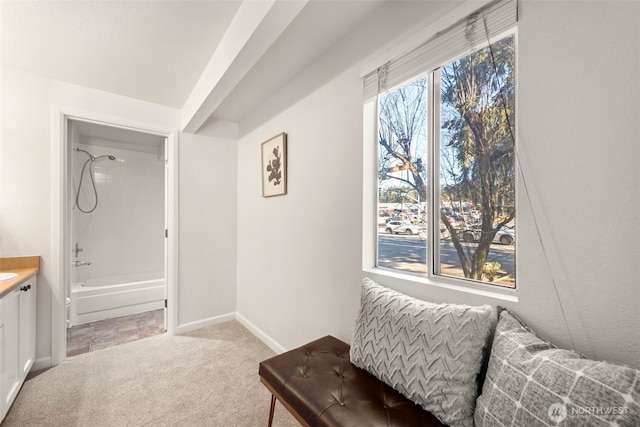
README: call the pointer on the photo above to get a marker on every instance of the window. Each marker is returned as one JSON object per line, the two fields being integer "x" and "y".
{"x": 446, "y": 155}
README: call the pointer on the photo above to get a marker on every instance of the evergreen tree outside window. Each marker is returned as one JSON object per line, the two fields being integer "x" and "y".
{"x": 446, "y": 167}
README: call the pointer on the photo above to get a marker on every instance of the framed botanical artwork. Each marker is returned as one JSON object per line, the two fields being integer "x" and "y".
{"x": 274, "y": 166}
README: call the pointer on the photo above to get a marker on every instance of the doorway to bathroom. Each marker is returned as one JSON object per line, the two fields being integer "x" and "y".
{"x": 117, "y": 211}
{"x": 117, "y": 285}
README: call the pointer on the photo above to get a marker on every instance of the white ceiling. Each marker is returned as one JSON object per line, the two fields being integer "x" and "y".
{"x": 154, "y": 51}
{"x": 157, "y": 51}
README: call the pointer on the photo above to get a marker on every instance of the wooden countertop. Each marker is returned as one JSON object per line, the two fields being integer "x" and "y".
{"x": 24, "y": 267}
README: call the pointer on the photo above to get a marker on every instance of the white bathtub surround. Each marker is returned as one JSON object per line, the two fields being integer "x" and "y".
{"x": 125, "y": 233}
{"x": 109, "y": 297}
{"x": 118, "y": 234}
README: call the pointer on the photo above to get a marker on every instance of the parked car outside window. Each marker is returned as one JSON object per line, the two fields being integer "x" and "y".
{"x": 505, "y": 235}
{"x": 401, "y": 227}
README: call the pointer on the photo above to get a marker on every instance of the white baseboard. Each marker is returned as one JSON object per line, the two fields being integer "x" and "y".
{"x": 192, "y": 326}
{"x": 40, "y": 364}
{"x": 45, "y": 362}
{"x": 270, "y": 342}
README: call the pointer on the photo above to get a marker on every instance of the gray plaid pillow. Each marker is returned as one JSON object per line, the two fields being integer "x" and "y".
{"x": 431, "y": 353}
{"x": 530, "y": 382}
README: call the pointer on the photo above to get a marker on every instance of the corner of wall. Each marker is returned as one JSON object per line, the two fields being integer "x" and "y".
{"x": 260, "y": 334}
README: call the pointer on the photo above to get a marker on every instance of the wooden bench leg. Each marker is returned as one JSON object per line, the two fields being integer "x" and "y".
{"x": 271, "y": 409}
{"x": 275, "y": 396}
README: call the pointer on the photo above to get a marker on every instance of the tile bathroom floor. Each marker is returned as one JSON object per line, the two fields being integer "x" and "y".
{"x": 107, "y": 333}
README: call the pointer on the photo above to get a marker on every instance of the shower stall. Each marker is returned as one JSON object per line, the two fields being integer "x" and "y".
{"x": 117, "y": 222}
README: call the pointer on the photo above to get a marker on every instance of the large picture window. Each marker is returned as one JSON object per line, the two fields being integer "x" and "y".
{"x": 446, "y": 165}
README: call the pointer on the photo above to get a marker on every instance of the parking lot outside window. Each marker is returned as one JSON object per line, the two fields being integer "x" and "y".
{"x": 446, "y": 184}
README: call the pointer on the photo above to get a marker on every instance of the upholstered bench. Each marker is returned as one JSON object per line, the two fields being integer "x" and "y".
{"x": 319, "y": 385}
{"x": 415, "y": 363}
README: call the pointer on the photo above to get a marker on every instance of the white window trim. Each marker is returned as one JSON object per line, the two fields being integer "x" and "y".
{"x": 450, "y": 283}
{"x": 370, "y": 227}
{"x": 370, "y": 176}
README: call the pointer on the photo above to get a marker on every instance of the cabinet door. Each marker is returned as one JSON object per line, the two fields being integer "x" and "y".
{"x": 12, "y": 375}
{"x": 27, "y": 336}
{"x": 2, "y": 403}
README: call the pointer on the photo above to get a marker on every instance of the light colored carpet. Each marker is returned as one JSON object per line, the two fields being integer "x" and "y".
{"x": 208, "y": 377}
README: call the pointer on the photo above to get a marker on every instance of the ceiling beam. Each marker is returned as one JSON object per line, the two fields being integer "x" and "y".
{"x": 256, "y": 26}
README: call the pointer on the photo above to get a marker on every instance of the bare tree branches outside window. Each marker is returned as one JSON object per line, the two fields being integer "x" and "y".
{"x": 476, "y": 187}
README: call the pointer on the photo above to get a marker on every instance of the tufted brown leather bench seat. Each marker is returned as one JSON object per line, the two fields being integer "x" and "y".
{"x": 319, "y": 385}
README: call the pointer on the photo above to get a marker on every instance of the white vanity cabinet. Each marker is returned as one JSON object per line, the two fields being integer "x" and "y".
{"x": 27, "y": 326}
{"x": 10, "y": 381}
{"x": 17, "y": 339}
{"x": 2, "y": 404}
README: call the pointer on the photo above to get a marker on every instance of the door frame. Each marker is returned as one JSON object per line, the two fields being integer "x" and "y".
{"x": 61, "y": 217}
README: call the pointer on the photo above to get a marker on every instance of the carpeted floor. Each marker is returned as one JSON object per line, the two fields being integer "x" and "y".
{"x": 208, "y": 377}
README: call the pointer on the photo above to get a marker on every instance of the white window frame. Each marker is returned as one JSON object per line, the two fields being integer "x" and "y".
{"x": 370, "y": 192}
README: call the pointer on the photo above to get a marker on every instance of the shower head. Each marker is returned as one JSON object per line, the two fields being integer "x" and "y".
{"x": 110, "y": 157}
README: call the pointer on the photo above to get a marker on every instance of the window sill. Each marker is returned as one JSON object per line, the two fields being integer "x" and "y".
{"x": 487, "y": 291}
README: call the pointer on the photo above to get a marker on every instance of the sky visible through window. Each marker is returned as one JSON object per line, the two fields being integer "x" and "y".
{"x": 475, "y": 186}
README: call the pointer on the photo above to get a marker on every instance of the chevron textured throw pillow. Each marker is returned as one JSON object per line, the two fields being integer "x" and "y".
{"x": 431, "y": 353}
{"x": 531, "y": 382}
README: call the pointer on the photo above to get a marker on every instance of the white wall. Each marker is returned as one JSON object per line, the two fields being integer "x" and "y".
{"x": 298, "y": 263}
{"x": 299, "y": 256}
{"x": 299, "y": 253}
{"x": 26, "y": 189}
{"x": 26, "y": 164}
{"x": 207, "y": 230}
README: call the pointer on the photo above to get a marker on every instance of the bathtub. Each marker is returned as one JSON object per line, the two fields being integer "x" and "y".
{"x": 108, "y": 297}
